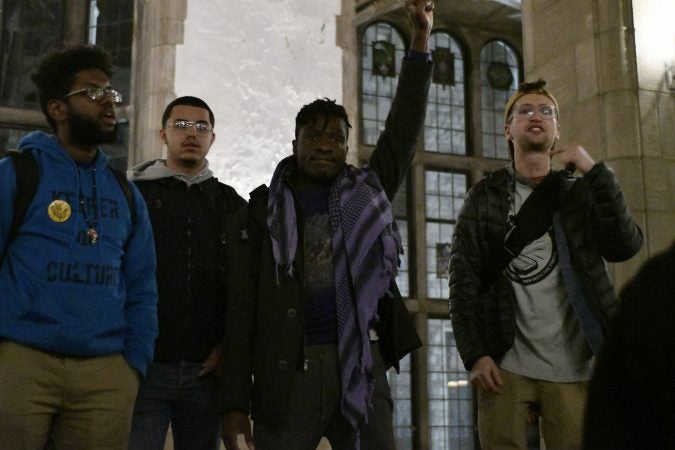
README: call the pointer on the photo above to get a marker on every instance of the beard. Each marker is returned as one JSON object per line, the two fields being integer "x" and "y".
{"x": 544, "y": 147}
{"x": 86, "y": 131}
{"x": 537, "y": 145}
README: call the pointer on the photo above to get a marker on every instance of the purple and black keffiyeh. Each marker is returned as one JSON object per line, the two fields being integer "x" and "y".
{"x": 366, "y": 246}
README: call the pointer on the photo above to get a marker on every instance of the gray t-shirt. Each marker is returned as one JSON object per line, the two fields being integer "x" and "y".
{"x": 549, "y": 344}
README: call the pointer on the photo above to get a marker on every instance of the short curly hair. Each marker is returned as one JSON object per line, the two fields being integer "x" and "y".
{"x": 324, "y": 106}
{"x": 55, "y": 74}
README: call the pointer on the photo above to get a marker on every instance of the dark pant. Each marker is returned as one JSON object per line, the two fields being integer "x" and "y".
{"x": 172, "y": 393}
{"x": 314, "y": 409}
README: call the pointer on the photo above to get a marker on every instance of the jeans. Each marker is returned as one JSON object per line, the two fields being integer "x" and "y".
{"x": 173, "y": 393}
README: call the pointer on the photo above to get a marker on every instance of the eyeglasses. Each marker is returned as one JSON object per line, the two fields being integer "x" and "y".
{"x": 185, "y": 125}
{"x": 97, "y": 94}
{"x": 546, "y": 112}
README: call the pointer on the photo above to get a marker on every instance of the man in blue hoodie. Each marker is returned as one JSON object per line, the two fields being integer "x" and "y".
{"x": 78, "y": 315}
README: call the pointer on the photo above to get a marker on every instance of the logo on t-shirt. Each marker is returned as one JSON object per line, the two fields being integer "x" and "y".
{"x": 535, "y": 262}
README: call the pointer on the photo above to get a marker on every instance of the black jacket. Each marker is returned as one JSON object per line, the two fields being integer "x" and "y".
{"x": 193, "y": 229}
{"x": 598, "y": 228}
{"x": 631, "y": 394}
{"x": 265, "y": 334}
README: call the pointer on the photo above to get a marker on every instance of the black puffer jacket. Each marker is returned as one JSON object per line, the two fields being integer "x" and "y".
{"x": 598, "y": 228}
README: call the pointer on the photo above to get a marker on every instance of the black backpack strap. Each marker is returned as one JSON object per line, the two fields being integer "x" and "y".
{"x": 534, "y": 217}
{"x": 27, "y": 179}
{"x": 126, "y": 188}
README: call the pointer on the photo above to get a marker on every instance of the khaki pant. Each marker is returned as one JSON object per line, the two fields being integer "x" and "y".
{"x": 502, "y": 418}
{"x": 86, "y": 402}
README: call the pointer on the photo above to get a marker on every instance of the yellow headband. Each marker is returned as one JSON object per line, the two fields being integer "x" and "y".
{"x": 537, "y": 87}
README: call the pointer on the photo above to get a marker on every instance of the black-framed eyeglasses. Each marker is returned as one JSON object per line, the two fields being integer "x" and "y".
{"x": 97, "y": 94}
{"x": 184, "y": 125}
{"x": 546, "y": 112}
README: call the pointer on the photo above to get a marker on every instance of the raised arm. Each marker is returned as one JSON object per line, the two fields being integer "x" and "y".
{"x": 395, "y": 147}
{"x": 421, "y": 13}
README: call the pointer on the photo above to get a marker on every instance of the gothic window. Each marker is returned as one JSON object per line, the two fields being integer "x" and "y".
{"x": 473, "y": 78}
{"x": 401, "y": 390}
{"x": 444, "y": 196}
{"x": 499, "y": 78}
{"x": 445, "y": 124}
{"x": 382, "y": 50}
{"x": 450, "y": 394}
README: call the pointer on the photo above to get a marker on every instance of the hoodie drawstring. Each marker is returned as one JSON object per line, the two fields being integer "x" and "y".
{"x": 92, "y": 224}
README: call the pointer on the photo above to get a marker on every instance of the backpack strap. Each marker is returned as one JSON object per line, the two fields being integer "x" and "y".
{"x": 126, "y": 188}
{"x": 27, "y": 179}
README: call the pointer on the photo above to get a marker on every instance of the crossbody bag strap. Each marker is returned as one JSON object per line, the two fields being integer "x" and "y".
{"x": 534, "y": 218}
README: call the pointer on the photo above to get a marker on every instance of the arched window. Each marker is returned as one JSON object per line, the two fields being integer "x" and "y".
{"x": 499, "y": 77}
{"x": 445, "y": 124}
{"x": 382, "y": 49}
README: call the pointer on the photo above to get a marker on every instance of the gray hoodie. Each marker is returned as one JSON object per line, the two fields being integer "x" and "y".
{"x": 157, "y": 169}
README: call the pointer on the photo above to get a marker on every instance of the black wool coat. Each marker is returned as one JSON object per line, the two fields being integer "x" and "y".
{"x": 265, "y": 332}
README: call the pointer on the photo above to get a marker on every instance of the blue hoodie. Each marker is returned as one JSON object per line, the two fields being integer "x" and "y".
{"x": 60, "y": 293}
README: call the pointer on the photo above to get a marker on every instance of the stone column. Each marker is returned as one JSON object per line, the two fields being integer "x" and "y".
{"x": 159, "y": 29}
{"x": 655, "y": 50}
